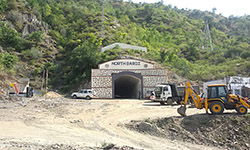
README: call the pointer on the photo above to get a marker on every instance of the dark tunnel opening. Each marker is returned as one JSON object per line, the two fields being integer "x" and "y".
{"x": 127, "y": 87}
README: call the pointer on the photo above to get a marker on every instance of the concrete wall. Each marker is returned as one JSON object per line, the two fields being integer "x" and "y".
{"x": 101, "y": 80}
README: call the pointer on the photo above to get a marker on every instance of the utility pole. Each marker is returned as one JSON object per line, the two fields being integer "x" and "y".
{"x": 207, "y": 35}
{"x": 47, "y": 76}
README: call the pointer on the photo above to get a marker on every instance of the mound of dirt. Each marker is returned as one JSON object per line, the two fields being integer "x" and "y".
{"x": 53, "y": 95}
{"x": 225, "y": 131}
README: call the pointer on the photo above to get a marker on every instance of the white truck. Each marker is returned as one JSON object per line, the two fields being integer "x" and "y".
{"x": 166, "y": 93}
{"x": 83, "y": 93}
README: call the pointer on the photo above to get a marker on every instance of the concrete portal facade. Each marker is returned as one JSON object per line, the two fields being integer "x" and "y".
{"x": 125, "y": 78}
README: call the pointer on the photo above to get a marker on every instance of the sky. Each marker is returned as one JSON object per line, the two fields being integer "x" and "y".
{"x": 225, "y": 7}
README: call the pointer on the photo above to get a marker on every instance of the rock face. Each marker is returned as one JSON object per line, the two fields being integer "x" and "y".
{"x": 25, "y": 21}
{"x": 32, "y": 24}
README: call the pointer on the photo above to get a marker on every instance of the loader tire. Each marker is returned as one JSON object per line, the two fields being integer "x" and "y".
{"x": 242, "y": 110}
{"x": 216, "y": 108}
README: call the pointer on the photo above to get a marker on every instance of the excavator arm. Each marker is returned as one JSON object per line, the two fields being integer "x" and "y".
{"x": 195, "y": 97}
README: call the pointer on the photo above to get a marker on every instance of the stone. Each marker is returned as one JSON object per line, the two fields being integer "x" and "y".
{"x": 109, "y": 146}
{"x": 173, "y": 130}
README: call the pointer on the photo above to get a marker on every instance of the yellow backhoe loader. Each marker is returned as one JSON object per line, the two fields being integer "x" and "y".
{"x": 218, "y": 99}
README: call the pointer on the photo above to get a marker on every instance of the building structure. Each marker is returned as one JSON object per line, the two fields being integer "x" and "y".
{"x": 126, "y": 78}
{"x": 124, "y": 46}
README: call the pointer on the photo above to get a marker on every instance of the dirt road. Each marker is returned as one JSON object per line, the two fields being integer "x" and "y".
{"x": 83, "y": 124}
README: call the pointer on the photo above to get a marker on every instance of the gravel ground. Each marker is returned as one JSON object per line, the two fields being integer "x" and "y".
{"x": 60, "y": 123}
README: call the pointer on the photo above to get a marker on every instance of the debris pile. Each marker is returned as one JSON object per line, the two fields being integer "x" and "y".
{"x": 224, "y": 131}
{"x": 53, "y": 95}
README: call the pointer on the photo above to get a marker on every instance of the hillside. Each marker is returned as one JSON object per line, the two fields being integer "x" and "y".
{"x": 65, "y": 37}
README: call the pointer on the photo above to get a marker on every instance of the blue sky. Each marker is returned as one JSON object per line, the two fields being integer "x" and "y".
{"x": 225, "y": 7}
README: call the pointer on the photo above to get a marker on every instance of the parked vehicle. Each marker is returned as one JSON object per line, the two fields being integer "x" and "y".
{"x": 218, "y": 99}
{"x": 166, "y": 93}
{"x": 148, "y": 94}
{"x": 83, "y": 93}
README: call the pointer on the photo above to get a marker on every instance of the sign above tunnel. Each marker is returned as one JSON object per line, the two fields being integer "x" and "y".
{"x": 126, "y": 64}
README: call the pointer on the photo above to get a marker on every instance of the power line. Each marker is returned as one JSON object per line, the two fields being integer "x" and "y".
{"x": 208, "y": 39}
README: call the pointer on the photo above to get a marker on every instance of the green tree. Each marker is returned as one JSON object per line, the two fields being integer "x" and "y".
{"x": 8, "y": 35}
{"x": 80, "y": 62}
{"x": 46, "y": 10}
{"x": 3, "y": 6}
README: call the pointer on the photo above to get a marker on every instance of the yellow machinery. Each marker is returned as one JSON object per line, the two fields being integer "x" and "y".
{"x": 218, "y": 99}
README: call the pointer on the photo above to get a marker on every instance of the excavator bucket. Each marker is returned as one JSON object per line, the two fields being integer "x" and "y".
{"x": 182, "y": 111}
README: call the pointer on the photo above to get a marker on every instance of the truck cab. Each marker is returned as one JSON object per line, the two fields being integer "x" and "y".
{"x": 165, "y": 93}
{"x": 162, "y": 91}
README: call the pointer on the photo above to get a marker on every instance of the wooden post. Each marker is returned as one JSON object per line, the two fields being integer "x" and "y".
{"x": 47, "y": 76}
{"x": 43, "y": 80}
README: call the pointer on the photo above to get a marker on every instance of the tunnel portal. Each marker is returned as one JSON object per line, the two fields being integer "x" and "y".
{"x": 126, "y": 78}
{"x": 127, "y": 85}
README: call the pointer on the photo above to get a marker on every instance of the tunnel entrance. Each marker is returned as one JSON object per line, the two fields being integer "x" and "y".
{"x": 127, "y": 85}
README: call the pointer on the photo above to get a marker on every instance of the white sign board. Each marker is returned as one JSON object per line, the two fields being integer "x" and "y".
{"x": 126, "y": 64}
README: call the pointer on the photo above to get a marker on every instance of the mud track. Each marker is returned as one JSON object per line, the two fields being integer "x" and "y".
{"x": 82, "y": 124}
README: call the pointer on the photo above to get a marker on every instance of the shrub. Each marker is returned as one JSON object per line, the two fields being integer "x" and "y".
{"x": 7, "y": 60}
{"x": 12, "y": 5}
{"x": 36, "y": 36}
{"x": 3, "y": 6}
{"x": 35, "y": 53}
{"x": 14, "y": 16}
{"x": 245, "y": 54}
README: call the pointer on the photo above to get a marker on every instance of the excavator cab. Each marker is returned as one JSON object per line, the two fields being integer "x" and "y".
{"x": 217, "y": 98}
{"x": 217, "y": 92}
